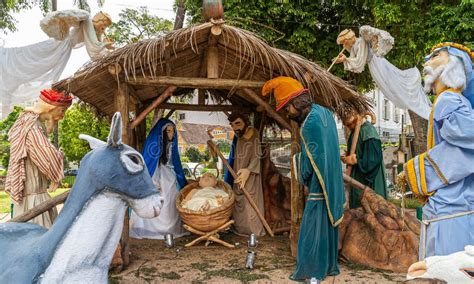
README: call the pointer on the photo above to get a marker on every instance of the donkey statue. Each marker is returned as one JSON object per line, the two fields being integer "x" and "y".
{"x": 79, "y": 246}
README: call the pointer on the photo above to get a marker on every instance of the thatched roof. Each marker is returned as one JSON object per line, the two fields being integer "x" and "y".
{"x": 182, "y": 53}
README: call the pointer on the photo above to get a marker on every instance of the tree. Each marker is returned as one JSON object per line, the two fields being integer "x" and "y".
{"x": 5, "y": 126}
{"x": 193, "y": 154}
{"x": 137, "y": 24}
{"x": 310, "y": 28}
{"x": 80, "y": 119}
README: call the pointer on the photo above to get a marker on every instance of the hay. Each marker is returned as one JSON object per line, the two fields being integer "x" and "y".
{"x": 242, "y": 56}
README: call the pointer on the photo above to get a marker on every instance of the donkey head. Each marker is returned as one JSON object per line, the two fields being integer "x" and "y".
{"x": 118, "y": 168}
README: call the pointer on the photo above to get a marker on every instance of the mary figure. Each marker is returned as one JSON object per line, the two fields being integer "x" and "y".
{"x": 161, "y": 156}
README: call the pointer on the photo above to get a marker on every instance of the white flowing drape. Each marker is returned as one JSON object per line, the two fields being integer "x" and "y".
{"x": 402, "y": 87}
{"x": 24, "y": 71}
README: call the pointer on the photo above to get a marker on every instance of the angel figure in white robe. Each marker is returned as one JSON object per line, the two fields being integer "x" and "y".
{"x": 403, "y": 87}
{"x": 26, "y": 70}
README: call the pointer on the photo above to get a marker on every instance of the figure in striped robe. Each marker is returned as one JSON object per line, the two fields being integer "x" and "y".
{"x": 34, "y": 160}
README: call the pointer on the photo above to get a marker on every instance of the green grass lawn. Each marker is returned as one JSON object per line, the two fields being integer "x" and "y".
{"x": 5, "y": 199}
{"x": 410, "y": 203}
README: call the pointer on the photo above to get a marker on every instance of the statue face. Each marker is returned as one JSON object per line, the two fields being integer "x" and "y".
{"x": 438, "y": 59}
{"x": 239, "y": 127}
{"x": 170, "y": 132}
{"x": 348, "y": 43}
{"x": 433, "y": 68}
{"x": 350, "y": 122}
{"x": 207, "y": 180}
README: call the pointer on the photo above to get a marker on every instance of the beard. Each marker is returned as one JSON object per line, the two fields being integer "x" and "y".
{"x": 241, "y": 132}
{"x": 298, "y": 117}
{"x": 431, "y": 75}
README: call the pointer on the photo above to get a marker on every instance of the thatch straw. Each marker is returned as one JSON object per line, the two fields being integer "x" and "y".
{"x": 242, "y": 55}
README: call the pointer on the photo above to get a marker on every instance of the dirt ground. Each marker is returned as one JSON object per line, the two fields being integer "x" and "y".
{"x": 152, "y": 262}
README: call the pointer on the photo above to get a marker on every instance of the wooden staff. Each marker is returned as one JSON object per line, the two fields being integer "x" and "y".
{"x": 247, "y": 195}
{"x": 355, "y": 138}
{"x": 334, "y": 60}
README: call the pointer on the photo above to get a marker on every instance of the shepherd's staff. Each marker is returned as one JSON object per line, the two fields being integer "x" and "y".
{"x": 334, "y": 60}
{"x": 214, "y": 148}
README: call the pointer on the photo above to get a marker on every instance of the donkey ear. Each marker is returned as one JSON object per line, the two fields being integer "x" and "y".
{"x": 115, "y": 135}
{"x": 93, "y": 142}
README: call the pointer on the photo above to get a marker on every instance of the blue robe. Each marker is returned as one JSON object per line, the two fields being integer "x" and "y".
{"x": 444, "y": 175}
{"x": 318, "y": 167}
{"x": 153, "y": 147}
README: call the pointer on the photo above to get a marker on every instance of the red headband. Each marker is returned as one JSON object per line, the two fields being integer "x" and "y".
{"x": 55, "y": 98}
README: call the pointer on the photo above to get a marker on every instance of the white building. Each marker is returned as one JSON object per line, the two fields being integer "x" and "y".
{"x": 389, "y": 117}
{"x": 201, "y": 117}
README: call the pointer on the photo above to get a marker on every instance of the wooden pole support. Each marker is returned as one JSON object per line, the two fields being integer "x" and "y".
{"x": 163, "y": 97}
{"x": 268, "y": 108}
{"x": 246, "y": 194}
{"x": 41, "y": 208}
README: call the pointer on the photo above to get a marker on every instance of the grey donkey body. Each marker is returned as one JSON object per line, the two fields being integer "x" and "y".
{"x": 79, "y": 246}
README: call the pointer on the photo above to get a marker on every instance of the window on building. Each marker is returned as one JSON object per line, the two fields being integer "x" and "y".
{"x": 386, "y": 109}
{"x": 386, "y": 134}
{"x": 182, "y": 116}
{"x": 396, "y": 115}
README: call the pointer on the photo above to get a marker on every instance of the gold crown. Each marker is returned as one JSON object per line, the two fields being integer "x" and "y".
{"x": 455, "y": 45}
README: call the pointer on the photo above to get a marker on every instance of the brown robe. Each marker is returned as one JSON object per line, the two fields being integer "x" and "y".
{"x": 247, "y": 156}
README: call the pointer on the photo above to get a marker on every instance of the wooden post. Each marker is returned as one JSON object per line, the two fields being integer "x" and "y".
{"x": 297, "y": 197}
{"x": 122, "y": 99}
{"x": 212, "y": 62}
{"x": 193, "y": 82}
{"x": 268, "y": 108}
{"x": 201, "y": 97}
{"x": 163, "y": 97}
{"x": 140, "y": 133}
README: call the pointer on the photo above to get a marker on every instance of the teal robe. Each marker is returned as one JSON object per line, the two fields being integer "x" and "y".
{"x": 370, "y": 169}
{"x": 318, "y": 167}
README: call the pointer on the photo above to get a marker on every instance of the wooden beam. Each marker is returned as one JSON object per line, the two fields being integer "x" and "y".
{"x": 170, "y": 113}
{"x": 213, "y": 52}
{"x": 160, "y": 99}
{"x": 268, "y": 108}
{"x": 122, "y": 102}
{"x": 40, "y": 208}
{"x": 200, "y": 107}
{"x": 201, "y": 97}
{"x": 189, "y": 82}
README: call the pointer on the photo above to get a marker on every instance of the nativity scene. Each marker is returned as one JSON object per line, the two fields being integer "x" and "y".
{"x": 333, "y": 207}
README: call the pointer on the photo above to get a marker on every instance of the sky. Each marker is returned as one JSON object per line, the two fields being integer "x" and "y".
{"x": 29, "y": 31}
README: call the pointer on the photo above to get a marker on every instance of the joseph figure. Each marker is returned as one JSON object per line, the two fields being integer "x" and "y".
{"x": 34, "y": 161}
{"x": 245, "y": 160}
{"x": 318, "y": 168}
{"x": 367, "y": 165}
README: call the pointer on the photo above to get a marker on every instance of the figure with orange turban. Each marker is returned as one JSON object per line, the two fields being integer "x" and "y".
{"x": 34, "y": 160}
{"x": 317, "y": 167}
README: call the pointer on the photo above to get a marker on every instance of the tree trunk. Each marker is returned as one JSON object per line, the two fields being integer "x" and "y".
{"x": 54, "y": 5}
{"x": 180, "y": 14}
{"x": 420, "y": 127}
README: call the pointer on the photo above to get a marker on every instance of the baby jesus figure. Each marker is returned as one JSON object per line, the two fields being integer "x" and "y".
{"x": 207, "y": 196}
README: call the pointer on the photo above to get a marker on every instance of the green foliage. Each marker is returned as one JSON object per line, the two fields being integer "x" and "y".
{"x": 223, "y": 145}
{"x": 137, "y": 24}
{"x": 310, "y": 28}
{"x": 193, "y": 155}
{"x": 80, "y": 119}
{"x": 5, "y": 126}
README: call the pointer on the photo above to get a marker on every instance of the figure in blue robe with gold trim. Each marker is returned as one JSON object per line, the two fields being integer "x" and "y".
{"x": 443, "y": 176}
{"x": 319, "y": 169}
